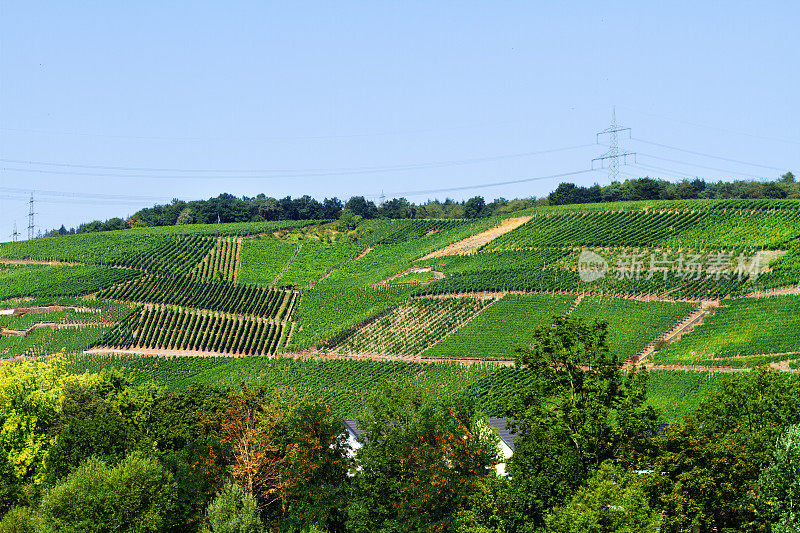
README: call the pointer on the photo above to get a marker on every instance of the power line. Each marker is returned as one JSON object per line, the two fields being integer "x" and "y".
{"x": 301, "y": 172}
{"x": 484, "y": 185}
{"x": 269, "y": 138}
{"x": 708, "y": 155}
{"x": 702, "y": 166}
{"x": 76, "y": 201}
{"x": 97, "y": 196}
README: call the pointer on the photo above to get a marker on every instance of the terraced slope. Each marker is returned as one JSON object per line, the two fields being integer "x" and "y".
{"x": 507, "y": 323}
{"x": 633, "y": 324}
{"x": 740, "y": 327}
{"x": 409, "y": 328}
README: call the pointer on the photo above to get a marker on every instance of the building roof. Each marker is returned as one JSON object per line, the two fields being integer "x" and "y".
{"x": 500, "y": 426}
{"x": 352, "y": 427}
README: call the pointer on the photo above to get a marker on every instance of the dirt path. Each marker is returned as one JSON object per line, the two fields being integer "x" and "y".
{"x": 288, "y": 264}
{"x": 638, "y": 297}
{"x": 686, "y": 325}
{"x": 37, "y": 262}
{"x": 436, "y": 276}
{"x": 313, "y": 355}
{"x": 471, "y": 244}
{"x": 782, "y": 291}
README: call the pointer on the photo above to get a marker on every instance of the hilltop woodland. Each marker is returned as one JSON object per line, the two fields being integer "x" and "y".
{"x": 93, "y": 452}
{"x": 228, "y": 208}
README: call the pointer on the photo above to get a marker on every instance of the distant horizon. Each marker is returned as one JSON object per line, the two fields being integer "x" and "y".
{"x": 112, "y": 108}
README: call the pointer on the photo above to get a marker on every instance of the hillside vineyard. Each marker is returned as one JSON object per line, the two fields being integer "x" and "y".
{"x": 688, "y": 288}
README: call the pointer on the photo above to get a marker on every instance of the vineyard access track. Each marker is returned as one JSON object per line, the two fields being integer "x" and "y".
{"x": 7, "y": 332}
{"x": 684, "y": 326}
{"x": 472, "y": 244}
{"x": 436, "y": 276}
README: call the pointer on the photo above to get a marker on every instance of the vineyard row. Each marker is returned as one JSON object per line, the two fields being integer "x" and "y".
{"x": 217, "y": 296}
{"x": 181, "y": 329}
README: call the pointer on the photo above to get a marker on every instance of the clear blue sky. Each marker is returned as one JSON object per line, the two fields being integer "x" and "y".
{"x": 344, "y": 98}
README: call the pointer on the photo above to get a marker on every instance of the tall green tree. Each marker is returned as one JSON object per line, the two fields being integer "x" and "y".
{"x": 581, "y": 410}
{"x": 30, "y": 395}
{"x": 780, "y": 483}
{"x": 611, "y": 501}
{"x": 421, "y": 461}
{"x": 706, "y": 467}
{"x": 133, "y": 496}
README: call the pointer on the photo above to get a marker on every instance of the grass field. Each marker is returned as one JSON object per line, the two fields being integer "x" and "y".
{"x": 740, "y": 327}
{"x": 263, "y": 259}
{"x": 501, "y": 327}
{"x": 633, "y": 324}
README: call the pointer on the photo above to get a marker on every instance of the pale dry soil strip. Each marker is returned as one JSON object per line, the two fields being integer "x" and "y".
{"x": 436, "y": 276}
{"x": 471, "y": 244}
{"x": 37, "y": 262}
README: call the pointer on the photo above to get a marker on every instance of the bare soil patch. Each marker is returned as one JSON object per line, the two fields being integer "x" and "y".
{"x": 470, "y": 245}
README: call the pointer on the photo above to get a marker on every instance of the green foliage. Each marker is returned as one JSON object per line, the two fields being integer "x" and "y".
{"x": 501, "y": 327}
{"x": 725, "y": 444}
{"x": 39, "y": 281}
{"x": 233, "y": 511}
{"x": 29, "y": 405}
{"x": 611, "y": 501}
{"x": 134, "y": 495}
{"x": 97, "y": 417}
{"x": 780, "y": 483}
{"x": 428, "y": 455}
{"x": 580, "y": 411}
{"x": 18, "y": 520}
{"x": 348, "y": 221}
{"x": 741, "y": 326}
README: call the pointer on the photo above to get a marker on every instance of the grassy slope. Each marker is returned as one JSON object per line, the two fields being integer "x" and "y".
{"x": 506, "y": 324}
{"x": 38, "y": 280}
{"x": 262, "y": 259}
{"x": 743, "y": 326}
{"x": 633, "y": 324}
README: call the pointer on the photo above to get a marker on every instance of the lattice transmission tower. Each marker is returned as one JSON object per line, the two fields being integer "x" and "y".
{"x": 614, "y": 154}
{"x": 15, "y": 234}
{"x": 31, "y": 226}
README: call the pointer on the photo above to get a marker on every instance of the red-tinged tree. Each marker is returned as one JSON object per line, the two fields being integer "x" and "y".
{"x": 421, "y": 462}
